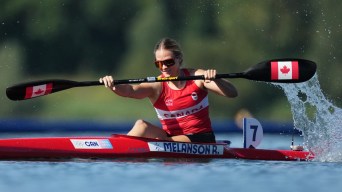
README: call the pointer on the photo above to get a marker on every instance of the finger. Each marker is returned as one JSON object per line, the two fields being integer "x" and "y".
{"x": 109, "y": 81}
{"x": 207, "y": 76}
{"x": 212, "y": 74}
{"x": 105, "y": 81}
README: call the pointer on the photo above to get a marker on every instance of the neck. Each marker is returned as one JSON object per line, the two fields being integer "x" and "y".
{"x": 177, "y": 84}
{"x": 180, "y": 72}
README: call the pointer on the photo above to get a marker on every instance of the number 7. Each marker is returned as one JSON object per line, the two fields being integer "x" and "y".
{"x": 255, "y": 128}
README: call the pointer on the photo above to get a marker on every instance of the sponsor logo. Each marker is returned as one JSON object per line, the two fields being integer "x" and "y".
{"x": 91, "y": 143}
{"x": 194, "y": 96}
{"x": 166, "y": 78}
{"x": 187, "y": 148}
{"x": 151, "y": 79}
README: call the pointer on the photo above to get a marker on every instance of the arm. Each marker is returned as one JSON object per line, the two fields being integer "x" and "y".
{"x": 138, "y": 91}
{"x": 219, "y": 86}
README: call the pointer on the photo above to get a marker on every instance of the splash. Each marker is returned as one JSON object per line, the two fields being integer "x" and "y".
{"x": 317, "y": 118}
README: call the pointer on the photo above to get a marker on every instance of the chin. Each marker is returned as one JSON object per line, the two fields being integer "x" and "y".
{"x": 166, "y": 74}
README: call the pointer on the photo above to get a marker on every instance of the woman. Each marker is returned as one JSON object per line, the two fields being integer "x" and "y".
{"x": 182, "y": 106}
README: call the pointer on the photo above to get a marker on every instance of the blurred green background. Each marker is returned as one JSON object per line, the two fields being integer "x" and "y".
{"x": 87, "y": 39}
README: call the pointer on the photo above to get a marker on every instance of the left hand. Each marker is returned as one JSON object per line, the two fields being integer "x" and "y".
{"x": 209, "y": 75}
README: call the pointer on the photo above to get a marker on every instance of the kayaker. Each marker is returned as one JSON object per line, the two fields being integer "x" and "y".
{"x": 182, "y": 106}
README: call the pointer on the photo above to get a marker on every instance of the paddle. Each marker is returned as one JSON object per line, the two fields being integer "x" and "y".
{"x": 277, "y": 70}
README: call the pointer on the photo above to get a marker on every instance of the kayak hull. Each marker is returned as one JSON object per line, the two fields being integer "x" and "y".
{"x": 122, "y": 146}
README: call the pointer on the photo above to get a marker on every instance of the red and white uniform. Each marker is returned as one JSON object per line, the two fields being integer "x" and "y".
{"x": 184, "y": 111}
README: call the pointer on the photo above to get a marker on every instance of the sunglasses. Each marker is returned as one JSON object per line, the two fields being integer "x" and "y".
{"x": 168, "y": 63}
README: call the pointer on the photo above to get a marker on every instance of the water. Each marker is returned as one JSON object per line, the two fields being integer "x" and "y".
{"x": 318, "y": 118}
{"x": 222, "y": 175}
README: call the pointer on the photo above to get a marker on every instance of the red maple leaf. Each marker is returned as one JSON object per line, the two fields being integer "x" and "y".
{"x": 285, "y": 70}
{"x": 38, "y": 92}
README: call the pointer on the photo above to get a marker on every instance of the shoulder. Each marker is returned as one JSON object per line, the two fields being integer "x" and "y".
{"x": 195, "y": 71}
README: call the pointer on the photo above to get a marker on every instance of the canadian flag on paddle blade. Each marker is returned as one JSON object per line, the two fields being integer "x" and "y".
{"x": 39, "y": 90}
{"x": 284, "y": 70}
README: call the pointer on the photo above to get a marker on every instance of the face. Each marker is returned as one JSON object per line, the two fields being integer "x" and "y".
{"x": 168, "y": 65}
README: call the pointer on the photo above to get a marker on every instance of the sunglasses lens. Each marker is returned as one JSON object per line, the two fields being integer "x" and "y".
{"x": 158, "y": 64}
{"x": 168, "y": 63}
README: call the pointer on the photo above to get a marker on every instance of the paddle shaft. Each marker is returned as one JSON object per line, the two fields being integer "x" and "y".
{"x": 161, "y": 79}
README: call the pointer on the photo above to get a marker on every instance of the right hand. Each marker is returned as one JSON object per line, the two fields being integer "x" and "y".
{"x": 108, "y": 81}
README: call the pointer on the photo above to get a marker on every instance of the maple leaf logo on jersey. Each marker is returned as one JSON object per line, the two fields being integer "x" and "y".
{"x": 285, "y": 70}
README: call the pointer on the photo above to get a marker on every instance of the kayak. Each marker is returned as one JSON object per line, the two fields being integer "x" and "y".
{"x": 119, "y": 146}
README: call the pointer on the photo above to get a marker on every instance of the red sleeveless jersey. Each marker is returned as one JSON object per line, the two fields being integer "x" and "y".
{"x": 184, "y": 111}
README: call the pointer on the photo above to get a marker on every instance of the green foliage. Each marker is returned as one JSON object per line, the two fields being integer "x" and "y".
{"x": 11, "y": 58}
{"x": 88, "y": 39}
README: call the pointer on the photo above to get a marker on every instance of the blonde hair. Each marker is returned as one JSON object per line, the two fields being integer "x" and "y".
{"x": 171, "y": 45}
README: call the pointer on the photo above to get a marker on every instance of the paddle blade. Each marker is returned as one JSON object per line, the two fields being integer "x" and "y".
{"x": 37, "y": 88}
{"x": 282, "y": 71}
